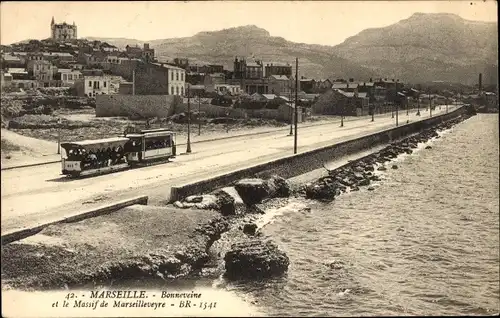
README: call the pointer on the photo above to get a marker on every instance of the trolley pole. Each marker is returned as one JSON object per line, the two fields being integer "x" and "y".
{"x": 430, "y": 104}
{"x": 133, "y": 82}
{"x": 199, "y": 106}
{"x": 291, "y": 111}
{"x": 418, "y": 105}
{"x": 342, "y": 116}
{"x": 59, "y": 136}
{"x": 188, "y": 149}
{"x": 296, "y": 104}
{"x": 397, "y": 112}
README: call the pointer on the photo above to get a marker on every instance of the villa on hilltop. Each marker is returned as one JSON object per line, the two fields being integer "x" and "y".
{"x": 62, "y": 32}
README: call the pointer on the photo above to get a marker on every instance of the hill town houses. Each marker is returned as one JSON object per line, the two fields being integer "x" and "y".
{"x": 92, "y": 68}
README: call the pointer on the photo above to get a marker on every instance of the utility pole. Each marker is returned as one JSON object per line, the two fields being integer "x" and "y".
{"x": 430, "y": 103}
{"x": 418, "y": 104}
{"x": 397, "y": 112}
{"x": 133, "y": 82}
{"x": 291, "y": 109}
{"x": 188, "y": 149}
{"x": 199, "y": 106}
{"x": 296, "y": 104}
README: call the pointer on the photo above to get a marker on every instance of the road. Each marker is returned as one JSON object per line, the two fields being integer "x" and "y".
{"x": 38, "y": 194}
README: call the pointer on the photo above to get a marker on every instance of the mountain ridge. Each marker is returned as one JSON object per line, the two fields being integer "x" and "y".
{"x": 420, "y": 48}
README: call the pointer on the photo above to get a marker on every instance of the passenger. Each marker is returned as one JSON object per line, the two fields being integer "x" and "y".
{"x": 93, "y": 160}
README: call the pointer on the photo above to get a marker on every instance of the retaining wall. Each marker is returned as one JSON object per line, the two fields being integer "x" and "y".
{"x": 136, "y": 105}
{"x": 102, "y": 210}
{"x": 220, "y": 111}
{"x": 301, "y": 163}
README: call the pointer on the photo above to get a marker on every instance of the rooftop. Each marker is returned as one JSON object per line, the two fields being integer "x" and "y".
{"x": 280, "y": 77}
{"x": 17, "y": 70}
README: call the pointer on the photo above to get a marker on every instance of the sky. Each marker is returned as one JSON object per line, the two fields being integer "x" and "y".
{"x": 313, "y": 22}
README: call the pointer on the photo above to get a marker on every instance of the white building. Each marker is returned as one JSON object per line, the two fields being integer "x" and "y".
{"x": 176, "y": 79}
{"x": 227, "y": 88}
{"x": 96, "y": 85}
{"x": 69, "y": 76}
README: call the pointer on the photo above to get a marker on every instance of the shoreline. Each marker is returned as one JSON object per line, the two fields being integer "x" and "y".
{"x": 202, "y": 240}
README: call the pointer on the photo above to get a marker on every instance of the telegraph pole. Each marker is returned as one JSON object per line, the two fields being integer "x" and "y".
{"x": 397, "y": 112}
{"x": 291, "y": 110}
{"x": 199, "y": 106}
{"x": 133, "y": 82}
{"x": 430, "y": 103}
{"x": 418, "y": 104}
{"x": 188, "y": 149}
{"x": 296, "y": 104}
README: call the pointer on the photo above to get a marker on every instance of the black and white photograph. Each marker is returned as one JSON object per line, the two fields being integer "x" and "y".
{"x": 249, "y": 158}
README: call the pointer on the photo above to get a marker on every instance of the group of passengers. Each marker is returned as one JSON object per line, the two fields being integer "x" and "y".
{"x": 98, "y": 159}
{"x": 105, "y": 158}
{"x": 159, "y": 144}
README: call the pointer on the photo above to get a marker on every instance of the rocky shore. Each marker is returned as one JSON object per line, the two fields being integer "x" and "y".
{"x": 178, "y": 244}
{"x": 361, "y": 172}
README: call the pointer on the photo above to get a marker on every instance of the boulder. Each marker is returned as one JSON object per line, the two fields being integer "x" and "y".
{"x": 322, "y": 191}
{"x": 382, "y": 168}
{"x": 278, "y": 187}
{"x": 255, "y": 259}
{"x": 394, "y": 166}
{"x": 252, "y": 191}
{"x": 250, "y": 228}
{"x": 239, "y": 205}
{"x": 209, "y": 201}
{"x": 428, "y": 147}
{"x": 194, "y": 199}
{"x": 178, "y": 204}
{"x": 364, "y": 182}
{"x": 225, "y": 203}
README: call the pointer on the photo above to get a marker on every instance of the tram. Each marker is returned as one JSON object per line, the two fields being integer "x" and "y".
{"x": 90, "y": 157}
{"x": 134, "y": 148}
{"x": 150, "y": 145}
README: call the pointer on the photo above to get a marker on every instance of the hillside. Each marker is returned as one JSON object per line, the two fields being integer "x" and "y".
{"x": 424, "y": 47}
{"x": 221, "y": 47}
{"x": 427, "y": 47}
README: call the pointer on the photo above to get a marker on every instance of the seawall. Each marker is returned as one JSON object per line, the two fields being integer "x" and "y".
{"x": 301, "y": 163}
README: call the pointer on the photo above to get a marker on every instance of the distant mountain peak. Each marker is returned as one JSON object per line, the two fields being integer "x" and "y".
{"x": 246, "y": 30}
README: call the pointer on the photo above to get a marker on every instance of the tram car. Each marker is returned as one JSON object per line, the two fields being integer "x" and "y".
{"x": 150, "y": 145}
{"x": 92, "y": 157}
{"x": 89, "y": 157}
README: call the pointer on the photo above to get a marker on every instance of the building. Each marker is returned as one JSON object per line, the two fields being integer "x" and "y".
{"x": 307, "y": 85}
{"x": 68, "y": 76}
{"x": 281, "y": 84}
{"x": 63, "y": 32}
{"x": 247, "y": 70}
{"x": 9, "y": 60}
{"x": 322, "y": 85}
{"x": 233, "y": 90}
{"x": 338, "y": 102}
{"x": 5, "y": 79}
{"x": 42, "y": 70}
{"x": 276, "y": 68}
{"x": 145, "y": 53}
{"x": 91, "y": 86}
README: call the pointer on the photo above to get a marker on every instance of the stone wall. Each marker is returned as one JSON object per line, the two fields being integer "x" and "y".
{"x": 301, "y": 163}
{"x": 212, "y": 111}
{"x": 136, "y": 106}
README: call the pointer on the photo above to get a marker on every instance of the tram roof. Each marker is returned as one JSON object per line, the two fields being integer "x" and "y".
{"x": 106, "y": 141}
